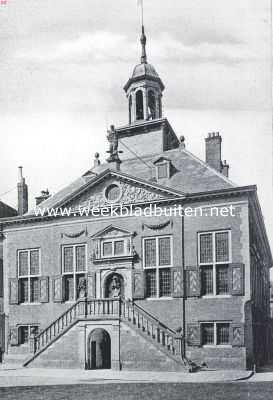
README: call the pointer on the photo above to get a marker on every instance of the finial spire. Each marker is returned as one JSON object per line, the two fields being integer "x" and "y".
{"x": 143, "y": 41}
{"x": 143, "y": 38}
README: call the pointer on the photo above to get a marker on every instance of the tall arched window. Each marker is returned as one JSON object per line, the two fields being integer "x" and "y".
{"x": 139, "y": 105}
{"x": 151, "y": 105}
{"x": 130, "y": 109}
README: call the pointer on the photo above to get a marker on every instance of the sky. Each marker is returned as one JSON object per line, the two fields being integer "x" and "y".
{"x": 64, "y": 63}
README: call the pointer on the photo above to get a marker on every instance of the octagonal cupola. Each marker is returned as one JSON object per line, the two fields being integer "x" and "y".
{"x": 144, "y": 89}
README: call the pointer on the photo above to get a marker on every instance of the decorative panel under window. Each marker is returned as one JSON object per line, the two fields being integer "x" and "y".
{"x": 80, "y": 258}
{"x": 24, "y": 290}
{"x": 23, "y": 263}
{"x": 207, "y": 280}
{"x": 223, "y": 333}
{"x": 151, "y": 283}
{"x": 107, "y": 249}
{"x": 164, "y": 245}
{"x": 150, "y": 252}
{"x": 207, "y": 334}
{"x": 34, "y": 290}
{"x": 206, "y": 252}
{"x": 34, "y": 262}
{"x": 222, "y": 246}
{"x": 165, "y": 282}
{"x": 68, "y": 259}
{"x": 222, "y": 279}
{"x": 119, "y": 247}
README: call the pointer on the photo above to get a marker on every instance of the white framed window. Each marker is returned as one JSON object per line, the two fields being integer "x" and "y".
{"x": 116, "y": 247}
{"x": 29, "y": 272}
{"x": 214, "y": 257}
{"x": 74, "y": 269}
{"x": 163, "y": 169}
{"x": 215, "y": 333}
{"x": 158, "y": 260}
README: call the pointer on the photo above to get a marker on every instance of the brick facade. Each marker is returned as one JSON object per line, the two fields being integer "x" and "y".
{"x": 141, "y": 292}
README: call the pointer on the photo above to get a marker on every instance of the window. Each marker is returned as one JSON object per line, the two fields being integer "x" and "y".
{"x": 157, "y": 262}
{"x": 139, "y": 105}
{"x": 214, "y": 260}
{"x": 215, "y": 333}
{"x": 115, "y": 247}
{"x": 74, "y": 269}
{"x": 28, "y": 275}
{"x": 151, "y": 105}
{"x": 163, "y": 170}
{"x": 25, "y": 331}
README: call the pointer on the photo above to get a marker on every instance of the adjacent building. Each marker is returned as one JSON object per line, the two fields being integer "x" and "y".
{"x": 153, "y": 260}
{"x": 5, "y": 211}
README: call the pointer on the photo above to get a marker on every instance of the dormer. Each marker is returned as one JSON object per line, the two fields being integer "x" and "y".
{"x": 162, "y": 168}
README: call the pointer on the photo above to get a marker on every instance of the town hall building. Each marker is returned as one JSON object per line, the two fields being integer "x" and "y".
{"x": 109, "y": 289}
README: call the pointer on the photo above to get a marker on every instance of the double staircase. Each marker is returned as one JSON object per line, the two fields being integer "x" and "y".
{"x": 149, "y": 327}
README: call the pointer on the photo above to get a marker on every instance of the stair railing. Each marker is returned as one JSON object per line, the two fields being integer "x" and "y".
{"x": 83, "y": 308}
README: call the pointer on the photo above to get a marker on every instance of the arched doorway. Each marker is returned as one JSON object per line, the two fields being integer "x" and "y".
{"x": 114, "y": 286}
{"x": 99, "y": 349}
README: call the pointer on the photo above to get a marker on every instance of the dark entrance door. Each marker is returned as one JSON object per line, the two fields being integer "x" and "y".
{"x": 99, "y": 349}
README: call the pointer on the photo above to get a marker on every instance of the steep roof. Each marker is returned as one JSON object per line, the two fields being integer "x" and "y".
{"x": 189, "y": 173}
{"x": 6, "y": 211}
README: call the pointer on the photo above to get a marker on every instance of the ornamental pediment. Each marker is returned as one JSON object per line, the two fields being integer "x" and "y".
{"x": 112, "y": 232}
{"x": 118, "y": 191}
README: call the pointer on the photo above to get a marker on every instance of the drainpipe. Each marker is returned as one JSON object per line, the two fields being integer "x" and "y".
{"x": 184, "y": 289}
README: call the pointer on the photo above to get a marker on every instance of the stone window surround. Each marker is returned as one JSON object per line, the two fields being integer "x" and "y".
{"x": 28, "y": 276}
{"x": 215, "y": 345}
{"x": 157, "y": 267}
{"x": 74, "y": 272}
{"x": 214, "y": 263}
{"x": 124, "y": 239}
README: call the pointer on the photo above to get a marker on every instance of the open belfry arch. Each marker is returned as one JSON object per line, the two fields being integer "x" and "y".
{"x": 163, "y": 292}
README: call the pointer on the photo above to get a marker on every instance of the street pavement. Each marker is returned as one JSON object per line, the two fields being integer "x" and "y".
{"x": 40, "y": 377}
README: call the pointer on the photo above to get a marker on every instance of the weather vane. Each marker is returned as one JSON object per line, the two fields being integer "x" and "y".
{"x": 140, "y": 4}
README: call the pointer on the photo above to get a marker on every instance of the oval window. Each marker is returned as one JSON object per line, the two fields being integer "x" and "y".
{"x": 112, "y": 193}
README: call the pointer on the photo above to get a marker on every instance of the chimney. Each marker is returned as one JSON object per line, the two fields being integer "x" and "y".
{"x": 213, "y": 151}
{"x": 43, "y": 196}
{"x": 225, "y": 168}
{"x": 22, "y": 190}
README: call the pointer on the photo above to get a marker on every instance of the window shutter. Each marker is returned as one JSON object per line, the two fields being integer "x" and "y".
{"x": 237, "y": 279}
{"x": 13, "y": 291}
{"x": 91, "y": 285}
{"x": 44, "y": 289}
{"x": 57, "y": 289}
{"x": 138, "y": 285}
{"x": 13, "y": 336}
{"x": 2, "y": 332}
{"x": 193, "y": 334}
{"x": 177, "y": 282}
{"x": 193, "y": 281}
{"x": 237, "y": 335}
